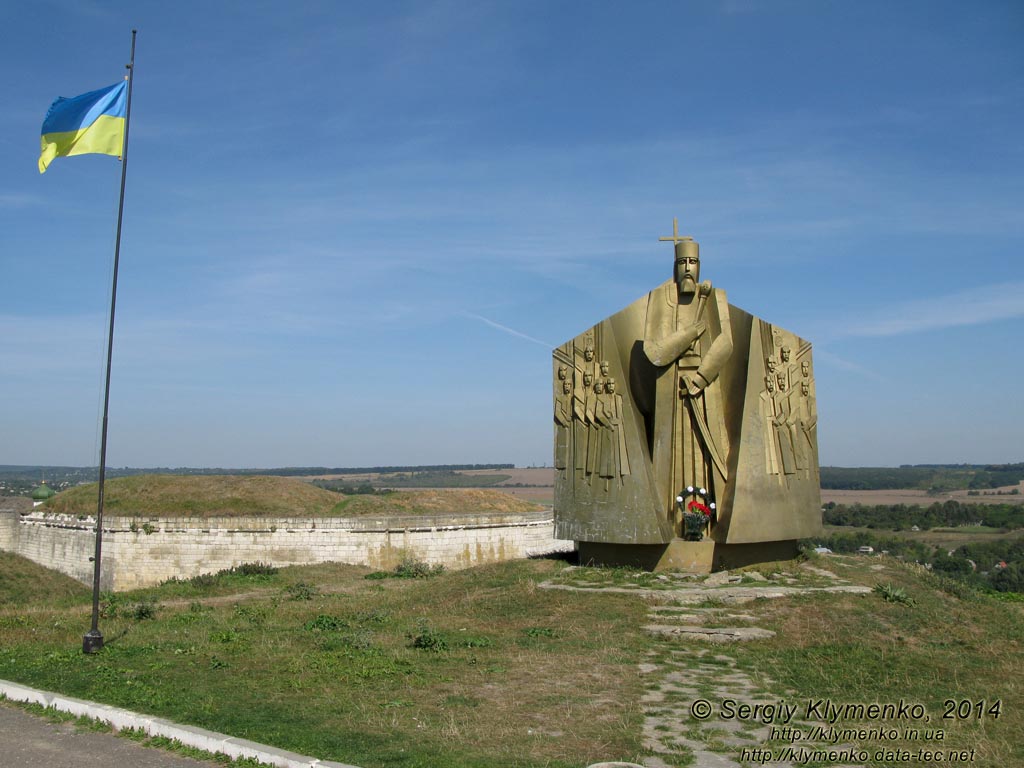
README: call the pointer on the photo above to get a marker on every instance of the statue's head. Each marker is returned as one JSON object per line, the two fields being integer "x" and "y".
{"x": 769, "y": 383}
{"x": 805, "y": 388}
{"x": 588, "y": 353}
{"x": 785, "y": 354}
{"x": 687, "y": 269}
{"x": 598, "y": 387}
{"x": 604, "y": 368}
{"x": 566, "y": 386}
{"x": 781, "y": 379}
{"x": 588, "y": 379}
{"x": 563, "y": 372}
{"x": 805, "y": 368}
{"x": 609, "y": 386}
{"x": 770, "y": 362}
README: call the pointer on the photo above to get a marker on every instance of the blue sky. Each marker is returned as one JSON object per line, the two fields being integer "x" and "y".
{"x": 354, "y": 230}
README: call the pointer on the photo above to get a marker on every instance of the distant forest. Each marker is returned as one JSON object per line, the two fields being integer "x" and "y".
{"x": 935, "y": 478}
{"x": 947, "y": 514}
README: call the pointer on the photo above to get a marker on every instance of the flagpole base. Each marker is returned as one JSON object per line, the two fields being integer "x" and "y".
{"x": 92, "y": 641}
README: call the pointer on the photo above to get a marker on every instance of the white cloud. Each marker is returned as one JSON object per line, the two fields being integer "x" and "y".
{"x": 973, "y": 306}
{"x": 510, "y": 331}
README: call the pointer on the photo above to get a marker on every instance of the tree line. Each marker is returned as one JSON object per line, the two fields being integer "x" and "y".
{"x": 944, "y": 514}
{"x": 930, "y": 477}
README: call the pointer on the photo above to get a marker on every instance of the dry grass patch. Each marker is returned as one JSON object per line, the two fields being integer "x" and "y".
{"x": 265, "y": 496}
{"x": 199, "y": 496}
{"x": 434, "y": 502}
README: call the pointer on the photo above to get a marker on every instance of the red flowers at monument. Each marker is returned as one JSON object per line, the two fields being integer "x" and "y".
{"x": 696, "y": 505}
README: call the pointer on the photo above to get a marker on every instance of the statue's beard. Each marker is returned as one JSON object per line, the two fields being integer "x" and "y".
{"x": 687, "y": 285}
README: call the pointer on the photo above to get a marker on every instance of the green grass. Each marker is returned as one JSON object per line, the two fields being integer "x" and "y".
{"x": 924, "y": 646}
{"x": 24, "y": 583}
{"x": 482, "y": 667}
{"x": 376, "y": 673}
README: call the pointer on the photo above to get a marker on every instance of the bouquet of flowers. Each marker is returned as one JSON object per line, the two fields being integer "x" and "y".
{"x": 696, "y": 514}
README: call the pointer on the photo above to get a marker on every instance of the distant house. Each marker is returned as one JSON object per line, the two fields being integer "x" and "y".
{"x": 823, "y": 550}
{"x": 866, "y": 550}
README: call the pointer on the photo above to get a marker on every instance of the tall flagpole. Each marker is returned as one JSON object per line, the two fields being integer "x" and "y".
{"x": 92, "y": 641}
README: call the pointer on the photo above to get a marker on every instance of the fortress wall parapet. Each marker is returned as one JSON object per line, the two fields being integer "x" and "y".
{"x": 141, "y": 551}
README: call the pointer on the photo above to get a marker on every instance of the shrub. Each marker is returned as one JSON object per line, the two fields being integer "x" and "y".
{"x": 250, "y": 569}
{"x": 416, "y": 569}
{"x": 325, "y": 623}
{"x": 427, "y": 639}
{"x": 302, "y": 591}
{"x": 144, "y": 610}
{"x": 893, "y": 594}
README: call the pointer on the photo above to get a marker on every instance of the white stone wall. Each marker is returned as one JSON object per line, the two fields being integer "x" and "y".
{"x": 141, "y": 551}
{"x": 8, "y": 527}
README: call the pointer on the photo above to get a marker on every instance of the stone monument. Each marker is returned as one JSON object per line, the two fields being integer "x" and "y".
{"x": 685, "y": 432}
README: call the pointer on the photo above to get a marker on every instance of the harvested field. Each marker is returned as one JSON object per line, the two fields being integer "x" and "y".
{"x": 918, "y": 497}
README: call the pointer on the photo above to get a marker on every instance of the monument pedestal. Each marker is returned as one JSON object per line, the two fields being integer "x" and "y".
{"x": 697, "y": 557}
{"x": 678, "y": 555}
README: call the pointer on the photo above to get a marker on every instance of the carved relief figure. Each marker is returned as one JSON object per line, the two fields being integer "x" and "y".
{"x": 808, "y": 422}
{"x": 688, "y": 337}
{"x": 783, "y": 423}
{"x": 614, "y": 459}
{"x": 582, "y": 415}
{"x": 594, "y": 443}
{"x": 563, "y": 424}
{"x": 767, "y": 408}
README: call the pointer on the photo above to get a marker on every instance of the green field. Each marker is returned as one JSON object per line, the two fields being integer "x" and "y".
{"x": 487, "y": 667}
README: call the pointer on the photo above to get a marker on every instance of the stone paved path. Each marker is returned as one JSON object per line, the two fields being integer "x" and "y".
{"x": 699, "y": 621}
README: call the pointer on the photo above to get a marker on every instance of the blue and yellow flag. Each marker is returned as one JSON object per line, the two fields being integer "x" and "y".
{"x": 92, "y": 123}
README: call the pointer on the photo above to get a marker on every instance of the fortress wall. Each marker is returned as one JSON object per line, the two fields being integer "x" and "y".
{"x": 142, "y": 551}
{"x": 60, "y": 542}
{"x": 8, "y": 528}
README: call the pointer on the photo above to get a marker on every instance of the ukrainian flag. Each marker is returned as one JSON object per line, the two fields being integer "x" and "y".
{"x": 92, "y": 123}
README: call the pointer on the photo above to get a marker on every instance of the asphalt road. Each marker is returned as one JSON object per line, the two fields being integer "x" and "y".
{"x": 27, "y": 741}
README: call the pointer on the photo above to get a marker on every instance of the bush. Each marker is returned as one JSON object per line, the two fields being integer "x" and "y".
{"x": 893, "y": 594}
{"x": 416, "y": 569}
{"x": 325, "y": 623}
{"x": 427, "y": 639}
{"x": 409, "y": 569}
{"x": 302, "y": 591}
{"x": 250, "y": 569}
{"x": 144, "y": 610}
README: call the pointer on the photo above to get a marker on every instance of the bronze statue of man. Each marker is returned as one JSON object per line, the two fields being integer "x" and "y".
{"x": 688, "y": 338}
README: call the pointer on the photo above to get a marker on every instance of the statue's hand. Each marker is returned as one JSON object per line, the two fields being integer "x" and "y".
{"x": 696, "y": 384}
